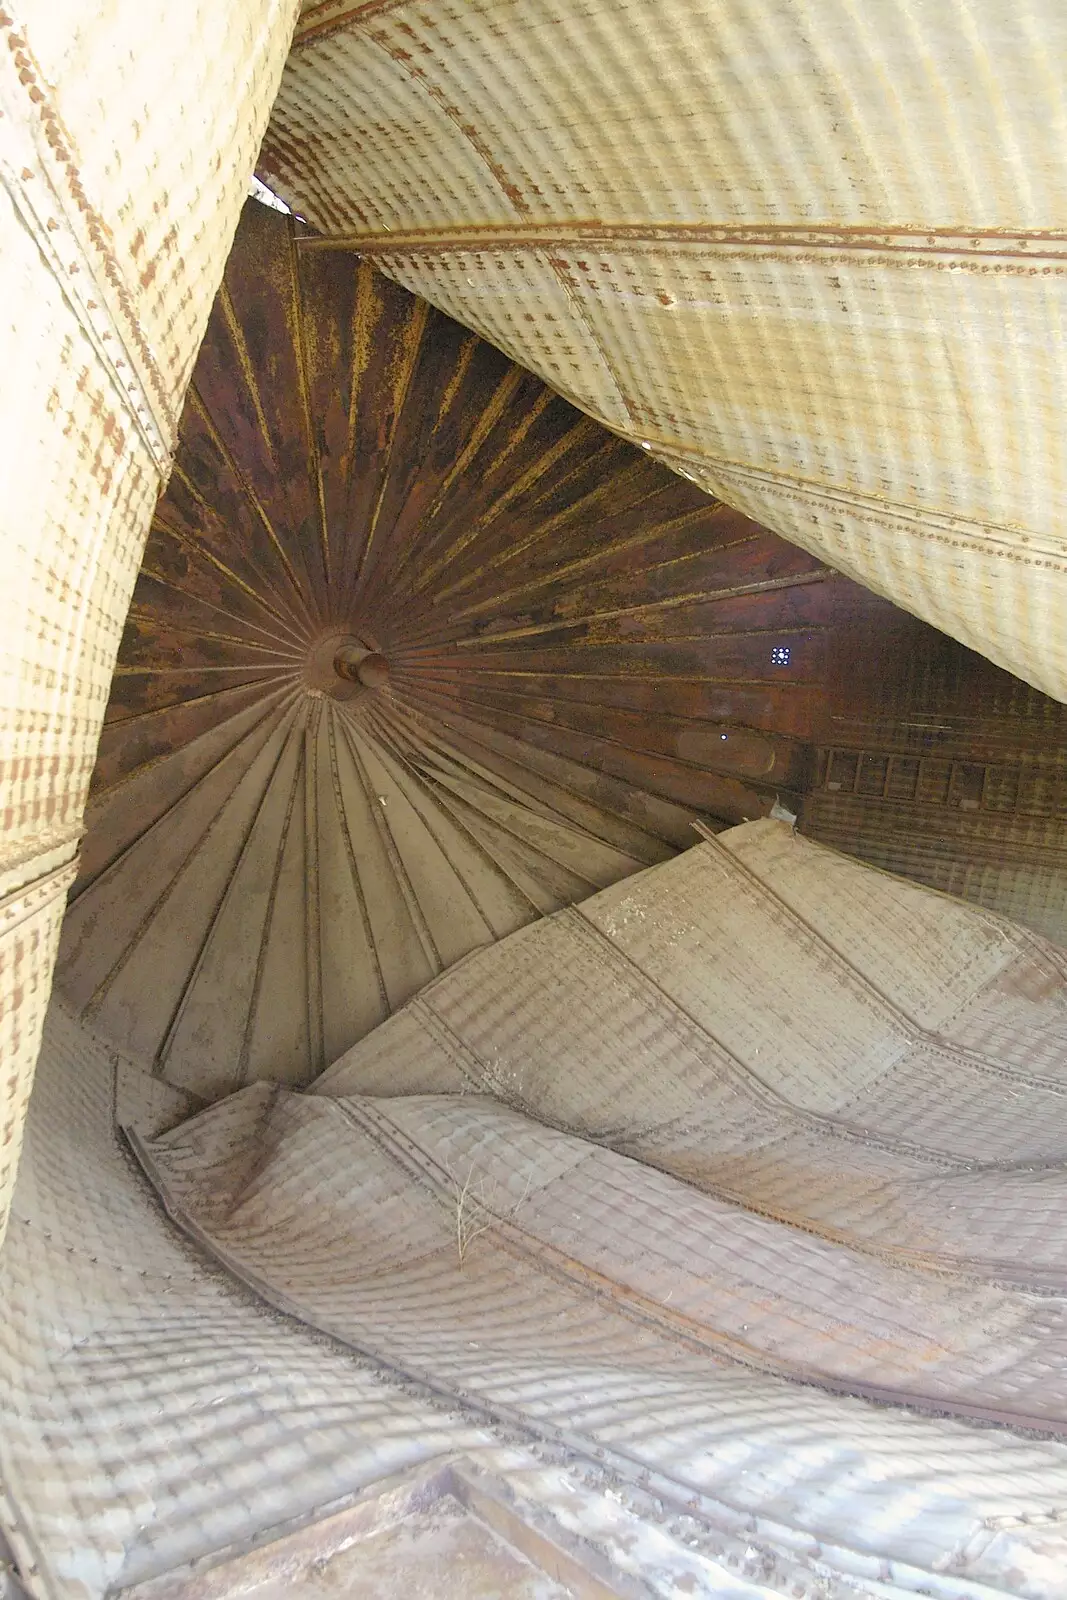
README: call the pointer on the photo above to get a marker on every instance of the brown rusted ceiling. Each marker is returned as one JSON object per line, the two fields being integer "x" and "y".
{"x": 558, "y": 656}
{"x": 933, "y": 763}
{"x": 575, "y": 658}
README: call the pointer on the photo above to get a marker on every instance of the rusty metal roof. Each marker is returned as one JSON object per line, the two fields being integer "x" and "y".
{"x": 559, "y": 654}
{"x": 816, "y": 261}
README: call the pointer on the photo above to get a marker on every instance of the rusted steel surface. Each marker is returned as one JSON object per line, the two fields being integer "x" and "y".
{"x": 933, "y": 763}
{"x": 556, "y": 656}
{"x": 564, "y": 656}
{"x": 821, "y": 269}
{"x": 352, "y": 458}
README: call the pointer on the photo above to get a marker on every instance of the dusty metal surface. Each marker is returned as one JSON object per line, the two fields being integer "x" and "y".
{"x": 814, "y": 259}
{"x": 838, "y": 1096}
{"x": 834, "y": 1048}
{"x": 419, "y": 654}
{"x": 554, "y": 656}
{"x": 453, "y": 1532}
{"x": 108, "y": 278}
{"x": 933, "y": 763}
{"x": 158, "y": 1419}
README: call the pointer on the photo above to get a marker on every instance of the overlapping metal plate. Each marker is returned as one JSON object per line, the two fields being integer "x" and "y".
{"x": 811, "y": 255}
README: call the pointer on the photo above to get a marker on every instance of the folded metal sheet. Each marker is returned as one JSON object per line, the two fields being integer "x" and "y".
{"x": 165, "y": 1430}
{"x": 842, "y": 1095}
{"x": 753, "y": 1116}
{"x": 486, "y": 1253}
{"x": 813, "y": 258}
{"x": 474, "y": 1281}
{"x": 152, "y": 1413}
{"x": 784, "y": 1028}
{"x": 115, "y": 232}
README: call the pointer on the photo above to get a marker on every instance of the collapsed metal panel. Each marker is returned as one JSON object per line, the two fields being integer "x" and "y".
{"x": 115, "y": 232}
{"x": 813, "y": 258}
{"x": 597, "y": 1334}
{"x": 418, "y": 654}
{"x": 804, "y": 1112}
{"x": 114, "y": 1375}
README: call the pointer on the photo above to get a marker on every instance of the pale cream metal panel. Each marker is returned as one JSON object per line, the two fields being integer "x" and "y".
{"x": 813, "y": 255}
{"x": 127, "y": 132}
{"x": 151, "y": 1413}
{"x": 154, "y": 1415}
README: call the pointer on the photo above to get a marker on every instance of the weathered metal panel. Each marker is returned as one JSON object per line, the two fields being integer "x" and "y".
{"x": 583, "y": 655}
{"x": 816, "y": 261}
{"x": 163, "y": 1421}
{"x": 850, "y": 1089}
{"x": 936, "y": 764}
{"x": 579, "y": 662}
{"x": 114, "y": 235}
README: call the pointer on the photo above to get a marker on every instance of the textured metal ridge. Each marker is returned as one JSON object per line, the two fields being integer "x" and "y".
{"x": 40, "y": 175}
{"x": 1039, "y": 245}
{"x": 155, "y": 1418}
{"x": 914, "y": 1116}
{"x": 523, "y": 1305}
{"x": 109, "y": 294}
{"x": 816, "y": 263}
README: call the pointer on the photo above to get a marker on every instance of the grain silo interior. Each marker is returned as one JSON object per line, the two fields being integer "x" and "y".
{"x": 533, "y": 884}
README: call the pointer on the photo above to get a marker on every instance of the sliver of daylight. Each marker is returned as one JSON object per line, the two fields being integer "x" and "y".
{"x": 259, "y": 191}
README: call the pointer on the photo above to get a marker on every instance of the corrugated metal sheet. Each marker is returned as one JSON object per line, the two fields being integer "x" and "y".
{"x": 579, "y": 655}
{"x": 152, "y": 1414}
{"x": 156, "y": 1418}
{"x": 114, "y": 234}
{"x": 715, "y": 1016}
{"x": 554, "y": 656}
{"x": 814, "y": 257}
{"x": 771, "y": 1021}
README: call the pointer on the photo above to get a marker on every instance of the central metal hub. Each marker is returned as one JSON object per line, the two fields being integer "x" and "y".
{"x": 356, "y": 664}
{"x": 344, "y": 667}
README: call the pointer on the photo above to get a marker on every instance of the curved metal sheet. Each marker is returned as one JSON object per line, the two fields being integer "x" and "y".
{"x": 814, "y": 256}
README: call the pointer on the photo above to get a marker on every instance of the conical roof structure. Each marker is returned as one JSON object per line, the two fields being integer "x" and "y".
{"x": 418, "y": 653}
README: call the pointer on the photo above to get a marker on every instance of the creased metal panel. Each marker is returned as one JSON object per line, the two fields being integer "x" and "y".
{"x": 156, "y": 1419}
{"x": 153, "y": 1418}
{"x": 630, "y": 1269}
{"x": 812, "y": 257}
{"x": 831, "y": 1047}
{"x": 576, "y": 658}
{"x": 152, "y": 1414}
{"x": 545, "y": 1279}
{"x": 115, "y": 232}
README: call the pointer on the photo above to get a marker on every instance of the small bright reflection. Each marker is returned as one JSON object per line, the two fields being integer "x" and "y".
{"x": 267, "y": 197}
